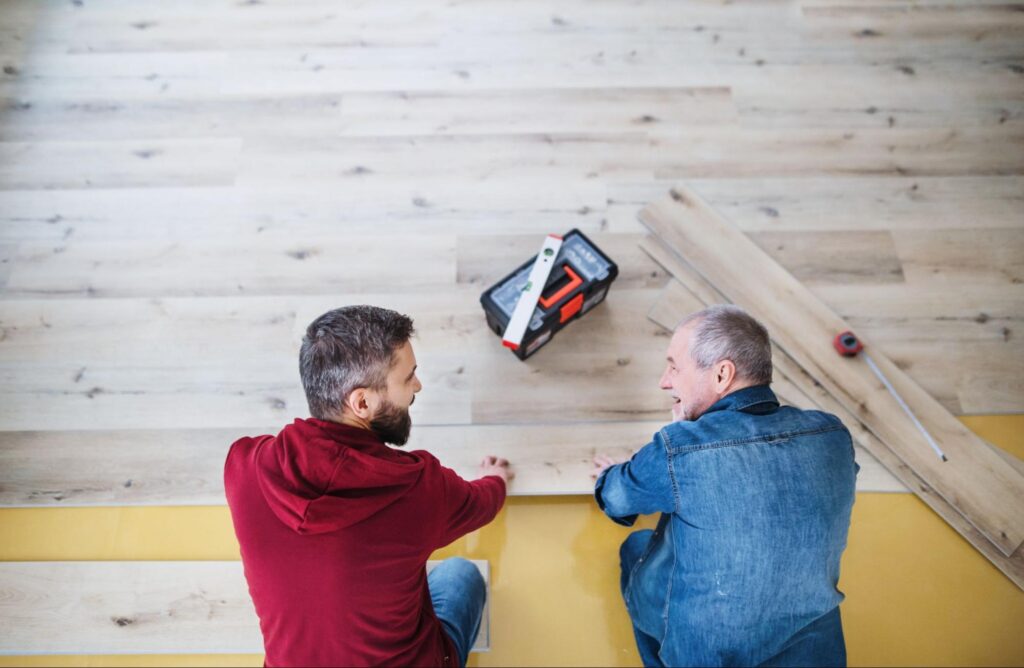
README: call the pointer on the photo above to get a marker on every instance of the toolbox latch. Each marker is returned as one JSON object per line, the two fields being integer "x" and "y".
{"x": 571, "y": 308}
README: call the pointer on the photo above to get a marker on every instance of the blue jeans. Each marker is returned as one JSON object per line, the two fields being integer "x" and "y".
{"x": 819, "y": 644}
{"x": 630, "y": 551}
{"x": 458, "y": 592}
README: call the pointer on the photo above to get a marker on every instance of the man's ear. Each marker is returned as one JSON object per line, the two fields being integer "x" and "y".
{"x": 724, "y": 375}
{"x": 359, "y": 403}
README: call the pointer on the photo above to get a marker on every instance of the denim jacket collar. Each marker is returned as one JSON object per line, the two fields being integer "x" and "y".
{"x": 756, "y": 399}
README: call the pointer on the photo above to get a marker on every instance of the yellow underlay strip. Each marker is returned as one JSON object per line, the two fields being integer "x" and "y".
{"x": 917, "y": 592}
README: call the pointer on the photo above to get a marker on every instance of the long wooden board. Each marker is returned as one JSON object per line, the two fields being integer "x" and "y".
{"x": 685, "y": 293}
{"x": 979, "y": 483}
{"x": 185, "y": 466}
{"x": 138, "y": 607}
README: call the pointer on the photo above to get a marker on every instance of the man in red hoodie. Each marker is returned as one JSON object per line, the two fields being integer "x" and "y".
{"x": 335, "y": 527}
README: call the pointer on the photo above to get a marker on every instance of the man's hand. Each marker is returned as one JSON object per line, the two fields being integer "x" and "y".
{"x": 496, "y": 466}
{"x": 603, "y": 462}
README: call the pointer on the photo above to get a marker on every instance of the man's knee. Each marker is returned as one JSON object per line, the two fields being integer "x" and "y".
{"x": 634, "y": 546}
{"x": 461, "y": 572}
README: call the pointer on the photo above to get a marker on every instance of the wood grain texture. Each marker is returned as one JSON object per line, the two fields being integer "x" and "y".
{"x": 125, "y": 607}
{"x": 841, "y": 203}
{"x": 84, "y": 164}
{"x": 182, "y": 467}
{"x": 302, "y": 211}
{"x": 975, "y": 480}
{"x": 269, "y": 266}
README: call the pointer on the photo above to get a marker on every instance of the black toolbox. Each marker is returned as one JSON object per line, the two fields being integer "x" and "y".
{"x": 578, "y": 282}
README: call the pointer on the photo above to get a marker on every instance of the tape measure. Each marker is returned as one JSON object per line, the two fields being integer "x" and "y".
{"x": 848, "y": 345}
{"x": 568, "y": 277}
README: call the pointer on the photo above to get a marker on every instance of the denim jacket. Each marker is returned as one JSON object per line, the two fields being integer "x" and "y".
{"x": 755, "y": 501}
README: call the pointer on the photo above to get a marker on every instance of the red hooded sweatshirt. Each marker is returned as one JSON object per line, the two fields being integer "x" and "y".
{"x": 335, "y": 530}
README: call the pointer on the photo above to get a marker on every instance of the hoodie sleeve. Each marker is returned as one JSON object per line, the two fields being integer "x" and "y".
{"x": 469, "y": 505}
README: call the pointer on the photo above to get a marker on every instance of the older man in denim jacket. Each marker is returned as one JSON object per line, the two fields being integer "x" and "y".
{"x": 755, "y": 502}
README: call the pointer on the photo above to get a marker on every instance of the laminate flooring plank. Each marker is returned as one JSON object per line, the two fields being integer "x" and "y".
{"x": 918, "y": 20}
{"x": 89, "y": 118}
{"x": 61, "y": 396}
{"x": 263, "y": 267}
{"x": 152, "y": 331}
{"x": 409, "y": 206}
{"x": 953, "y": 258}
{"x": 716, "y": 151}
{"x": 979, "y": 481}
{"x": 227, "y": 362}
{"x": 676, "y": 301}
{"x": 184, "y": 467}
{"x": 352, "y": 161}
{"x": 815, "y": 152}
{"x": 7, "y": 254}
{"x": 611, "y": 110}
{"x": 140, "y": 607}
{"x": 51, "y": 165}
{"x": 837, "y": 203}
{"x": 1012, "y": 566}
{"x": 882, "y": 95}
{"x": 834, "y": 257}
{"x": 111, "y": 76}
{"x": 231, "y": 26}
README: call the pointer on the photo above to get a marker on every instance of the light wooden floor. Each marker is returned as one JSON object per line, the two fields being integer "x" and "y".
{"x": 185, "y": 185}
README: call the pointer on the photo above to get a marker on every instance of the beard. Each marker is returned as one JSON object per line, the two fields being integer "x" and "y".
{"x": 392, "y": 424}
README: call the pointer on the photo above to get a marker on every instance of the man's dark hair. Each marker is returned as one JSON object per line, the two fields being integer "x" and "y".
{"x": 348, "y": 348}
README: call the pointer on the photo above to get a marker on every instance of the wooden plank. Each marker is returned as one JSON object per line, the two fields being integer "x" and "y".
{"x": 955, "y": 257}
{"x": 61, "y": 75}
{"x": 975, "y": 480}
{"x": 842, "y": 203}
{"x": 124, "y": 118}
{"x": 355, "y": 160}
{"x": 268, "y": 265}
{"x": 151, "y": 162}
{"x": 184, "y": 467}
{"x": 410, "y": 206}
{"x": 690, "y": 152}
{"x": 554, "y": 111}
{"x": 799, "y": 152}
{"x": 140, "y": 607}
{"x": 676, "y": 301}
{"x": 63, "y": 396}
{"x": 7, "y": 254}
{"x": 834, "y": 257}
{"x": 1012, "y": 566}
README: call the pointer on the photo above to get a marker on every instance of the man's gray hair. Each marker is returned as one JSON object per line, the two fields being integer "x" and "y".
{"x": 348, "y": 348}
{"x": 727, "y": 332}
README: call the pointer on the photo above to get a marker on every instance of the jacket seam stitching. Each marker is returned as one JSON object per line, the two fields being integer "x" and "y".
{"x": 671, "y": 473}
{"x": 782, "y": 436}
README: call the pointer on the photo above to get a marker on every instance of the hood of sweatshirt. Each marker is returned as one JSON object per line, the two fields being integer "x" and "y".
{"x": 320, "y": 476}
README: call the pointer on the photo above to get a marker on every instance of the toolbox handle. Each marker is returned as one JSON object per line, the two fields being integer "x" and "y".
{"x": 574, "y": 283}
